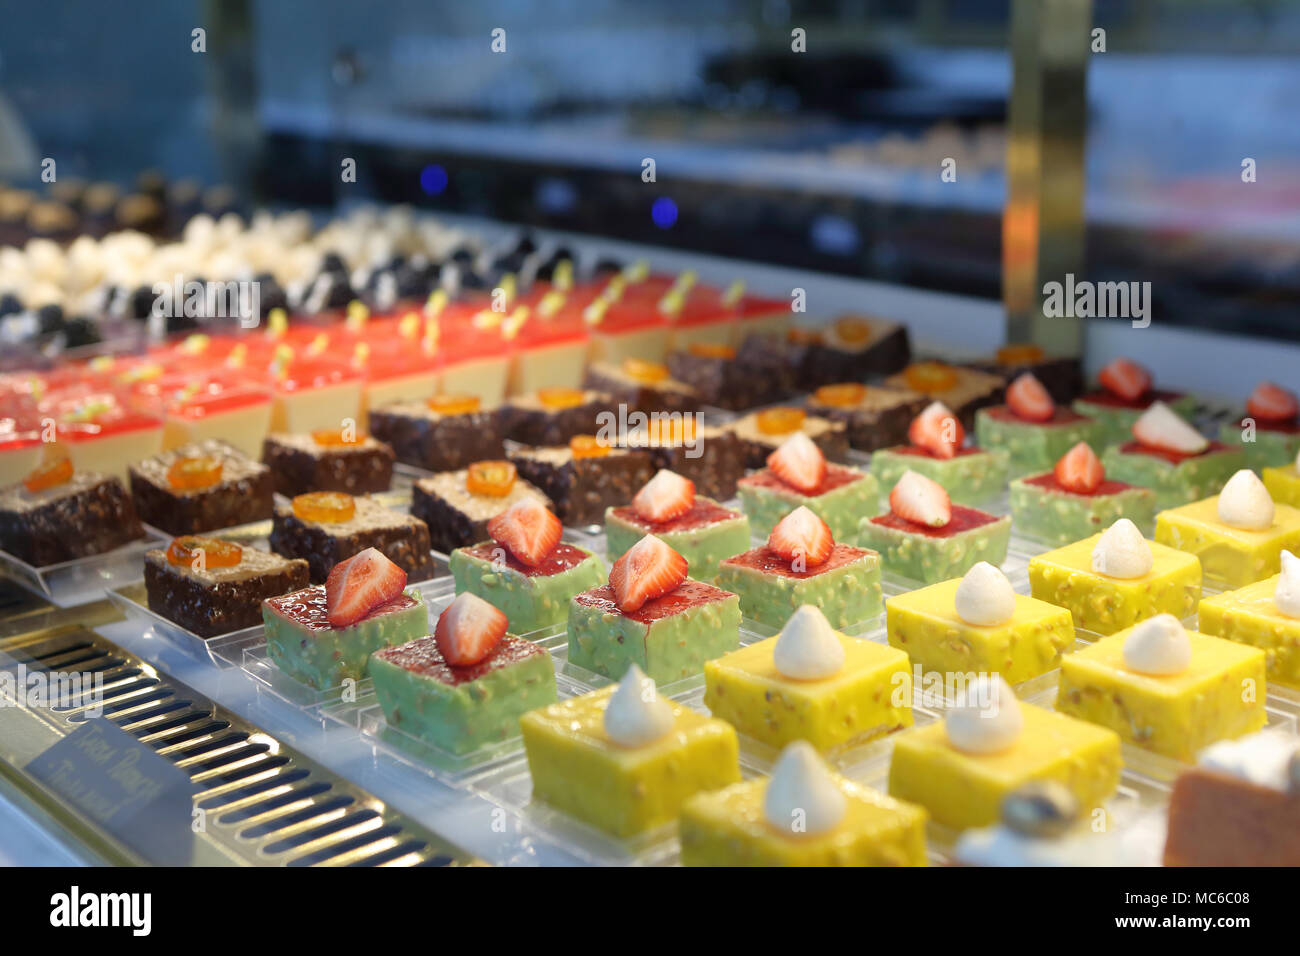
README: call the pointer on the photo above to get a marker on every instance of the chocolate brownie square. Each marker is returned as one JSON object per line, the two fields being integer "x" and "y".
{"x": 1062, "y": 377}
{"x": 852, "y": 348}
{"x": 88, "y": 514}
{"x": 642, "y": 386}
{"x": 402, "y": 538}
{"x": 552, "y": 416}
{"x": 714, "y": 459}
{"x": 301, "y": 463}
{"x": 581, "y": 488}
{"x": 757, "y": 373}
{"x": 425, "y": 438}
{"x": 241, "y": 492}
{"x": 873, "y": 417}
{"x": 830, "y": 436}
{"x": 457, "y": 518}
{"x": 218, "y": 600}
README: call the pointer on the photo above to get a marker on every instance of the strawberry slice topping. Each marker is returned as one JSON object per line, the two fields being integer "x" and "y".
{"x": 937, "y": 430}
{"x": 1272, "y": 403}
{"x": 1161, "y": 428}
{"x": 468, "y": 630}
{"x": 649, "y": 569}
{"x": 799, "y": 463}
{"x": 1126, "y": 379}
{"x": 1027, "y": 398}
{"x": 1080, "y": 470}
{"x": 528, "y": 530}
{"x": 360, "y": 584}
{"x": 665, "y": 496}
{"x": 801, "y": 537}
{"x": 920, "y": 500}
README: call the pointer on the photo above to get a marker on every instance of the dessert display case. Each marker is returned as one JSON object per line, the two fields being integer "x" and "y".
{"x": 696, "y": 469}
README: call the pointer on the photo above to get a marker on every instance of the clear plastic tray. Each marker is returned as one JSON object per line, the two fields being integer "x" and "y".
{"x": 83, "y": 580}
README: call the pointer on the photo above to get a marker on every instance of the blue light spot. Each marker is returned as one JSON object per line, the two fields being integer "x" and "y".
{"x": 433, "y": 179}
{"x": 664, "y": 212}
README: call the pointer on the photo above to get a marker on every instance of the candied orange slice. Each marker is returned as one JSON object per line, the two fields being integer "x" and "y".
{"x": 852, "y": 330}
{"x": 49, "y": 475}
{"x": 670, "y": 431}
{"x": 334, "y": 437}
{"x": 559, "y": 397}
{"x": 491, "y": 478}
{"x": 930, "y": 377}
{"x": 194, "y": 550}
{"x": 324, "y": 507}
{"x": 454, "y": 404}
{"x": 587, "y": 446}
{"x": 779, "y": 421}
{"x": 648, "y": 373}
{"x": 194, "y": 474}
{"x": 711, "y": 351}
{"x": 841, "y": 395}
{"x": 1020, "y": 354}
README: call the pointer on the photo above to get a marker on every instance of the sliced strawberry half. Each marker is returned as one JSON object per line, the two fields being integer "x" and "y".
{"x": 937, "y": 430}
{"x": 665, "y": 496}
{"x": 802, "y": 536}
{"x": 1126, "y": 379}
{"x": 1272, "y": 403}
{"x": 1080, "y": 470}
{"x": 360, "y": 584}
{"x": 799, "y": 463}
{"x": 1161, "y": 428}
{"x": 920, "y": 500}
{"x": 649, "y": 569}
{"x": 528, "y": 530}
{"x": 1027, "y": 398}
{"x": 468, "y": 630}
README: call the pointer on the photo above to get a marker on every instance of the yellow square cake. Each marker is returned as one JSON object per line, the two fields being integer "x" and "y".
{"x": 869, "y": 696}
{"x": 1250, "y": 616}
{"x": 577, "y": 768}
{"x": 1105, "y": 604}
{"x": 728, "y": 828}
{"x": 1283, "y": 484}
{"x": 1233, "y": 556}
{"x": 962, "y": 789}
{"x": 1219, "y": 695}
{"x": 926, "y": 625}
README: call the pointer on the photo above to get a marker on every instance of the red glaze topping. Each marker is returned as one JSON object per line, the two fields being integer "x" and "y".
{"x": 703, "y": 512}
{"x": 963, "y": 519}
{"x": 1049, "y": 482}
{"x": 1173, "y": 457}
{"x": 1062, "y": 416}
{"x": 837, "y": 476}
{"x": 1286, "y": 428}
{"x": 767, "y": 561}
{"x": 685, "y": 596}
{"x": 926, "y": 453}
{"x": 1145, "y": 401}
{"x": 562, "y": 557}
{"x": 422, "y": 657}
{"x": 307, "y": 607}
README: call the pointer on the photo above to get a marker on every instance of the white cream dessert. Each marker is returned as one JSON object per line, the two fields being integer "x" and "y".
{"x": 636, "y": 715}
{"x": 986, "y": 718}
{"x": 1245, "y": 503}
{"x": 1122, "y": 552}
{"x": 984, "y": 597}
{"x": 802, "y": 796}
{"x": 1158, "y": 646}
{"x": 808, "y": 647}
{"x": 1286, "y": 597}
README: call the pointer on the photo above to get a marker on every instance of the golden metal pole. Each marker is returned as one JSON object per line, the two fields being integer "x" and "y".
{"x": 1042, "y": 225}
